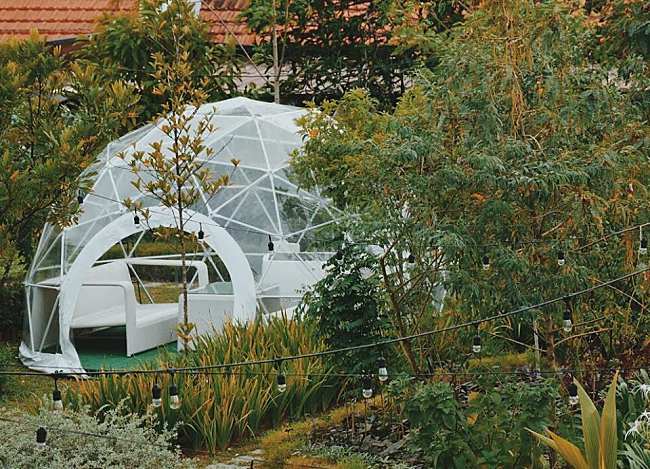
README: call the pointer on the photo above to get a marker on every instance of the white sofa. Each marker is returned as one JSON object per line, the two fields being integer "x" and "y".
{"x": 107, "y": 298}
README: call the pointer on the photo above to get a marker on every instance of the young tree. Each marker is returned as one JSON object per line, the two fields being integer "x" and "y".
{"x": 518, "y": 147}
{"x": 173, "y": 172}
{"x": 54, "y": 116}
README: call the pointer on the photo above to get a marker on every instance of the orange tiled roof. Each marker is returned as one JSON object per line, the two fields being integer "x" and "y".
{"x": 67, "y": 19}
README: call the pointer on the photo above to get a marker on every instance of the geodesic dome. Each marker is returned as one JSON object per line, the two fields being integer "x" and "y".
{"x": 260, "y": 204}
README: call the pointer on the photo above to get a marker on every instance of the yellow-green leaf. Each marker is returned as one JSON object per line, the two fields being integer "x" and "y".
{"x": 608, "y": 436}
{"x": 590, "y": 427}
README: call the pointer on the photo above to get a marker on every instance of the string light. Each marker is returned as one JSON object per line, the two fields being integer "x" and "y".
{"x": 156, "y": 394}
{"x": 80, "y": 197}
{"x": 410, "y": 259}
{"x": 560, "y": 258}
{"x": 174, "y": 399}
{"x": 383, "y": 371}
{"x": 270, "y": 245}
{"x": 567, "y": 322}
{"x": 643, "y": 247}
{"x": 381, "y": 343}
{"x": 572, "y": 388}
{"x": 366, "y": 383}
{"x": 136, "y": 220}
{"x": 485, "y": 262}
{"x": 476, "y": 343}
{"x": 281, "y": 383}
{"x": 201, "y": 233}
{"x": 57, "y": 401}
{"x": 339, "y": 255}
{"x": 41, "y": 437}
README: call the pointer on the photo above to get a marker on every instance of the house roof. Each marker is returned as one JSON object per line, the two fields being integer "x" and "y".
{"x": 61, "y": 20}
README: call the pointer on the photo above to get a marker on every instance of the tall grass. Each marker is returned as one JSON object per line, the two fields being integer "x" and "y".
{"x": 221, "y": 407}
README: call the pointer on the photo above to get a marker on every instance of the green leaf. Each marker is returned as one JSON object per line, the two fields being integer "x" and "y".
{"x": 590, "y": 427}
{"x": 608, "y": 432}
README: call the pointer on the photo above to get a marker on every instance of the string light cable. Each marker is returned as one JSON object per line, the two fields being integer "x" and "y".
{"x": 473, "y": 323}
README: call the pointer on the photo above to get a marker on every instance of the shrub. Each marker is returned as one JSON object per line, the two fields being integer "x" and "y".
{"x": 128, "y": 441}
{"x": 344, "y": 306}
{"x": 490, "y": 431}
{"x": 218, "y": 407}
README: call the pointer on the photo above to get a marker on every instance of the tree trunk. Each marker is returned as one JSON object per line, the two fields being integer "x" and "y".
{"x": 398, "y": 322}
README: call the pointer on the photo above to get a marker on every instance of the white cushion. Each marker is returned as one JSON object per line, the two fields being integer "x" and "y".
{"x": 116, "y": 316}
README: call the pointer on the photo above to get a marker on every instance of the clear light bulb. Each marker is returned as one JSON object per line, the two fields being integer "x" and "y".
{"x": 567, "y": 323}
{"x": 282, "y": 383}
{"x": 476, "y": 344}
{"x": 382, "y": 372}
{"x": 573, "y": 394}
{"x": 41, "y": 438}
{"x": 57, "y": 402}
{"x": 156, "y": 399}
{"x": 174, "y": 400}
{"x": 366, "y": 387}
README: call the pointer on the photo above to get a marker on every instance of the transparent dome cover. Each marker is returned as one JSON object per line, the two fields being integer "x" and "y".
{"x": 260, "y": 200}
{"x": 258, "y": 205}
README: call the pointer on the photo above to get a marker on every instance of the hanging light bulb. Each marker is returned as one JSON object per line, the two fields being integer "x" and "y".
{"x": 57, "y": 402}
{"x": 411, "y": 259}
{"x": 366, "y": 384}
{"x": 174, "y": 400}
{"x": 573, "y": 394}
{"x": 560, "y": 258}
{"x": 270, "y": 245}
{"x": 156, "y": 399}
{"x": 486, "y": 263}
{"x": 567, "y": 323}
{"x": 41, "y": 437}
{"x": 643, "y": 247}
{"x": 383, "y": 371}
{"x": 201, "y": 233}
{"x": 136, "y": 220}
{"x": 80, "y": 197}
{"x": 476, "y": 343}
{"x": 281, "y": 383}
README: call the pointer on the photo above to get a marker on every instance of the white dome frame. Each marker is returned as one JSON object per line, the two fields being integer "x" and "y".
{"x": 260, "y": 203}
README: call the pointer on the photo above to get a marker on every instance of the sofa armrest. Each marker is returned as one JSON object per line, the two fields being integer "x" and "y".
{"x": 129, "y": 297}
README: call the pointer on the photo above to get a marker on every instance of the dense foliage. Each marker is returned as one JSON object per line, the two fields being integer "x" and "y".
{"x": 122, "y": 440}
{"x": 345, "y": 309}
{"x": 124, "y": 45}
{"x": 218, "y": 407}
{"x": 328, "y": 47}
{"x": 54, "y": 117}
{"x": 490, "y": 430}
{"x": 517, "y": 146}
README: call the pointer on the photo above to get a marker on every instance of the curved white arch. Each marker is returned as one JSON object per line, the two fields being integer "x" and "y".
{"x": 216, "y": 237}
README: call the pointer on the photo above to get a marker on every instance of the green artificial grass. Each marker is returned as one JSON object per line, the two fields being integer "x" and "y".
{"x": 107, "y": 350}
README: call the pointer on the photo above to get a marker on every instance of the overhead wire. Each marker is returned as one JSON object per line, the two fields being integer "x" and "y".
{"x": 382, "y": 343}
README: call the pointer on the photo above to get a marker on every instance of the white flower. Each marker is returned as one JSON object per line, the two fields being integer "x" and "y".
{"x": 634, "y": 428}
{"x": 644, "y": 389}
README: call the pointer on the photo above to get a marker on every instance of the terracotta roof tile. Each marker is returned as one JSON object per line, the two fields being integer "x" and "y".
{"x": 66, "y": 19}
